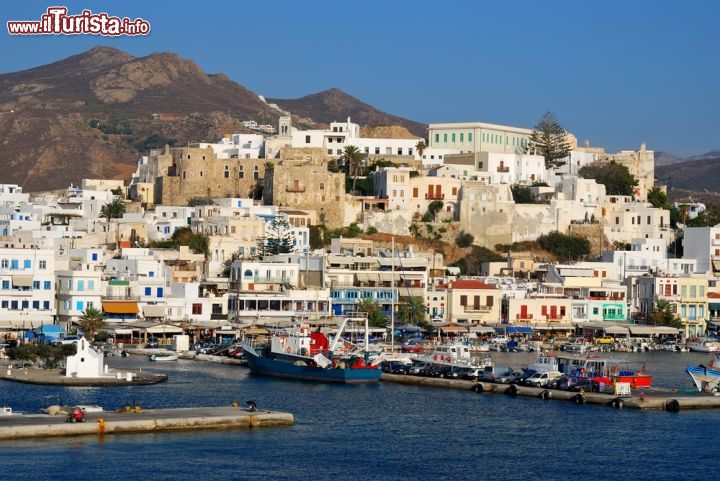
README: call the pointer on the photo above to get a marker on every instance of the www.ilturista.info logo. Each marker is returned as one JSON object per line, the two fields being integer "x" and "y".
{"x": 56, "y": 21}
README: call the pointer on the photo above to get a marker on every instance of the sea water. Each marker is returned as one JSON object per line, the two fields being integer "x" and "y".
{"x": 366, "y": 432}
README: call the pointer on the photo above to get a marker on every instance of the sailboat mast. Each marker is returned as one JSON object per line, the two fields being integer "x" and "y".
{"x": 392, "y": 299}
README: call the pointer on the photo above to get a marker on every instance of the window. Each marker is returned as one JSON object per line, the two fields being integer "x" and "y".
{"x": 151, "y": 274}
{"x": 14, "y": 264}
{"x": 197, "y": 309}
{"x": 330, "y": 140}
{"x": 46, "y": 305}
{"x": 13, "y": 305}
{"x": 79, "y": 305}
{"x": 36, "y": 284}
{"x": 6, "y": 284}
{"x": 453, "y": 137}
{"x": 25, "y": 305}
{"x": 683, "y": 291}
{"x": 94, "y": 256}
{"x": 36, "y": 305}
{"x": 91, "y": 285}
{"x": 469, "y": 136}
{"x": 377, "y": 150}
{"x": 693, "y": 291}
{"x": 148, "y": 291}
{"x": 322, "y": 185}
{"x": 445, "y": 138}
{"x": 80, "y": 285}
{"x": 4, "y": 264}
{"x": 307, "y": 139}
{"x": 462, "y": 137}
{"x": 47, "y": 285}
{"x": 4, "y": 304}
{"x": 241, "y": 174}
{"x": 42, "y": 265}
{"x": 437, "y": 137}
{"x": 160, "y": 292}
{"x": 415, "y": 191}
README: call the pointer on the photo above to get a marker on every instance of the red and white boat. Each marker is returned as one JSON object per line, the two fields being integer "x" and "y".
{"x": 606, "y": 370}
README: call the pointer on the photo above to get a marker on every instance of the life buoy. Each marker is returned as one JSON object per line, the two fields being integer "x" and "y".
{"x": 672, "y": 406}
{"x": 579, "y": 398}
{"x": 512, "y": 390}
{"x": 582, "y": 370}
{"x": 613, "y": 369}
{"x": 545, "y": 395}
{"x": 617, "y": 403}
{"x": 712, "y": 363}
{"x": 644, "y": 369}
{"x": 287, "y": 349}
{"x": 449, "y": 358}
{"x": 435, "y": 357}
{"x": 479, "y": 388}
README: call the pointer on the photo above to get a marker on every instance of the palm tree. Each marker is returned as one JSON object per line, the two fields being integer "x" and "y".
{"x": 663, "y": 315}
{"x": 91, "y": 321}
{"x": 113, "y": 210}
{"x": 376, "y": 318}
{"x": 352, "y": 158}
{"x": 420, "y": 147}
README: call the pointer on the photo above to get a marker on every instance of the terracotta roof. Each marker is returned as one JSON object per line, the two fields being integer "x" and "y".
{"x": 714, "y": 295}
{"x": 469, "y": 284}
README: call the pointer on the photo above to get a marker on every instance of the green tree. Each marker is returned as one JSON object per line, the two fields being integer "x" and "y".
{"x": 616, "y": 178}
{"x": 278, "y": 238}
{"x": 658, "y": 198}
{"x": 663, "y": 315}
{"x": 565, "y": 247}
{"x": 352, "y": 157}
{"x": 376, "y": 317}
{"x": 433, "y": 208}
{"x": 413, "y": 311}
{"x": 118, "y": 192}
{"x": 549, "y": 139}
{"x": 227, "y": 263}
{"x": 91, "y": 321}
{"x": 708, "y": 218}
{"x": 113, "y": 209}
{"x": 464, "y": 239}
{"x": 522, "y": 194}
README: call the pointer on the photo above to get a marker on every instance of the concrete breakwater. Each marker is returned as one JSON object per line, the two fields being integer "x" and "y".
{"x": 56, "y": 377}
{"x": 651, "y": 399}
{"x": 15, "y": 426}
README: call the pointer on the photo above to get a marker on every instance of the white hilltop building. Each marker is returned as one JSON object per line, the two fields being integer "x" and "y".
{"x": 86, "y": 362}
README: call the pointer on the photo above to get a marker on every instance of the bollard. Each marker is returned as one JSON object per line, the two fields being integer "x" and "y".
{"x": 234, "y": 404}
{"x": 101, "y": 425}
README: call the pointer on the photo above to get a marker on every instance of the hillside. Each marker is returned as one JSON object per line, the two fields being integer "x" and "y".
{"x": 335, "y": 105}
{"x": 93, "y": 114}
{"x": 695, "y": 177}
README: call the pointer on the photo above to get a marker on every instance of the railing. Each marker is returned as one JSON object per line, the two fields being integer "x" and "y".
{"x": 434, "y": 196}
{"x": 298, "y": 188}
{"x": 478, "y": 308}
{"x": 503, "y": 169}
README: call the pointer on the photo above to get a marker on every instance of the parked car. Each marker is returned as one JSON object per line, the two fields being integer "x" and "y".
{"x": 500, "y": 340}
{"x": 394, "y": 367}
{"x": 458, "y": 373}
{"x": 152, "y": 343}
{"x": 490, "y": 373}
{"x": 420, "y": 369}
{"x": 604, "y": 340}
{"x": 511, "y": 377}
{"x": 67, "y": 340}
{"x": 473, "y": 373}
{"x": 539, "y": 379}
{"x": 440, "y": 371}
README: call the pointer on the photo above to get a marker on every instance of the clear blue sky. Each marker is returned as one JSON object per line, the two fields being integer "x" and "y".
{"x": 615, "y": 72}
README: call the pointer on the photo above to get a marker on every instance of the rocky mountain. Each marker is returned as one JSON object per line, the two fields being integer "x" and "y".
{"x": 665, "y": 158}
{"x": 699, "y": 176}
{"x": 335, "y": 105}
{"x": 93, "y": 114}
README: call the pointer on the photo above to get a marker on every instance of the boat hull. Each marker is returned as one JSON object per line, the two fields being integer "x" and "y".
{"x": 705, "y": 379}
{"x": 282, "y": 368}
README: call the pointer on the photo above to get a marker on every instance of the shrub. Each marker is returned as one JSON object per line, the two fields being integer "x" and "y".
{"x": 565, "y": 247}
{"x": 371, "y": 230}
{"x": 464, "y": 239}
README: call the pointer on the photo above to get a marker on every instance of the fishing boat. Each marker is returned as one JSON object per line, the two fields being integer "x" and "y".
{"x": 544, "y": 363}
{"x": 298, "y": 353}
{"x": 163, "y": 357}
{"x": 456, "y": 354}
{"x": 706, "y": 378}
{"x": 607, "y": 371}
{"x": 704, "y": 345}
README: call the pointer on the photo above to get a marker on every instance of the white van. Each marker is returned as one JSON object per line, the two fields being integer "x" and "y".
{"x": 542, "y": 378}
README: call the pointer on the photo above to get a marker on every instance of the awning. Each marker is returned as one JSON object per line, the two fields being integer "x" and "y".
{"x": 120, "y": 307}
{"x": 256, "y": 331}
{"x": 164, "y": 329}
{"x": 643, "y": 330}
{"x": 153, "y": 310}
{"x": 553, "y": 327}
{"x": 22, "y": 281}
{"x": 453, "y": 328}
{"x": 482, "y": 329}
{"x": 517, "y": 329}
{"x": 665, "y": 330}
{"x": 616, "y": 330}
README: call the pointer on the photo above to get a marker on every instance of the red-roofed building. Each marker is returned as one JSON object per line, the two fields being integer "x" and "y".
{"x": 470, "y": 301}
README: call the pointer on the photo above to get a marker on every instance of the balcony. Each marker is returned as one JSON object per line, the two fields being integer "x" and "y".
{"x": 716, "y": 242}
{"x": 480, "y": 309}
{"x": 295, "y": 188}
{"x": 434, "y": 196}
{"x": 503, "y": 169}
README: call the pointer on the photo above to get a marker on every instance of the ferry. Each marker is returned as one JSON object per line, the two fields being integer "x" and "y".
{"x": 607, "y": 371}
{"x": 298, "y": 353}
{"x": 544, "y": 363}
{"x": 706, "y": 379}
{"x": 704, "y": 345}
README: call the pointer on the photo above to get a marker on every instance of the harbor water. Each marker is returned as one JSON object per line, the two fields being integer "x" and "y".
{"x": 384, "y": 431}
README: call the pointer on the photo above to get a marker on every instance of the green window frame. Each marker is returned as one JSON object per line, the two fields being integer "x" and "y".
{"x": 469, "y": 136}
{"x": 437, "y": 137}
{"x": 453, "y": 138}
{"x": 462, "y": 137}
{"x": 445, "y": 138}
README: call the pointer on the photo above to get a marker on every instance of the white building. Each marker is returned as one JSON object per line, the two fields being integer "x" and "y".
{"x": 27, "y": 288}
{"x": 470, "y": 137}
{"x": 77, "y": 291}
{"x": 86, "y": 362}
{"x": 703, "y": 244}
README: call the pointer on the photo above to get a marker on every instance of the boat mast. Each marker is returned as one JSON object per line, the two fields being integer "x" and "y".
{"x": 392, "y": 299}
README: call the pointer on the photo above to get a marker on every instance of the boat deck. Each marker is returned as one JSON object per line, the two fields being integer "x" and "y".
{"x": 15, "y": 426}
{"x": 653, "y": 398}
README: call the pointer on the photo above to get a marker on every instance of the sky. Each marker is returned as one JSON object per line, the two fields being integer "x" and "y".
{"x": 614, "y": 72}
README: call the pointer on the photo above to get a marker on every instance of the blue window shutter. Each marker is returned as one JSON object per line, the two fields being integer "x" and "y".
{"x": 27, "y": 264}
{"x": 148, "y": 291}
{"x": 160, "y": 292}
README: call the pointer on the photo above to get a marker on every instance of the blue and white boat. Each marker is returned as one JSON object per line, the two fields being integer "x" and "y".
{"x": 298, "y": 353}
{"x": 706, "y": 378}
